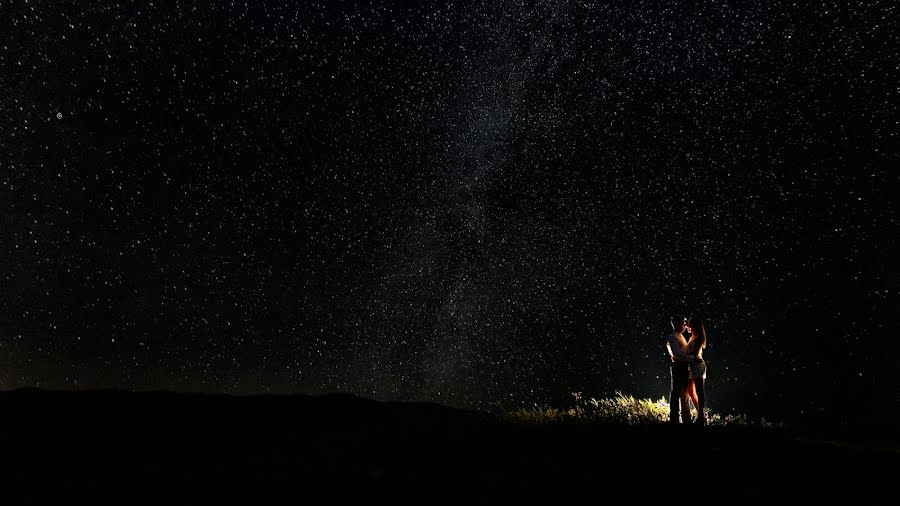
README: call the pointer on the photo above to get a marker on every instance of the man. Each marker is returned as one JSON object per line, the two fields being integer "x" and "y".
{"x": 681, "y": 362}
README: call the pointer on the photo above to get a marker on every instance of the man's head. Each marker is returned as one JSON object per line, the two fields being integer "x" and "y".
{"x": 678, "y": 323}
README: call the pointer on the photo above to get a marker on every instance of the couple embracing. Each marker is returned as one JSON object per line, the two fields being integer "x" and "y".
{"x": 688, "y": 369}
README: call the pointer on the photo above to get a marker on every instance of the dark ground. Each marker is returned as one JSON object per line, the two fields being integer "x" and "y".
{"x": 188, "y": 448}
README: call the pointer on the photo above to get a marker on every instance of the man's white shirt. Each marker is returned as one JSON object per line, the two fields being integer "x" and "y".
{"x": 677, "y": 346}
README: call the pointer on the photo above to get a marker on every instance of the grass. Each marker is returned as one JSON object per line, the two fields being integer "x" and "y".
{"x": 622, "y": 409}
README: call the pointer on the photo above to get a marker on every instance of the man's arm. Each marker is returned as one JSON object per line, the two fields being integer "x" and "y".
{"x": 676, "y": 353}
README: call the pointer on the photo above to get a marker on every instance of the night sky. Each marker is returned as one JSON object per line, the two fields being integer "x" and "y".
{"x": 482, "y": 204}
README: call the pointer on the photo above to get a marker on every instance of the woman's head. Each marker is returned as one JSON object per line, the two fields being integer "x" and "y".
{"x": 697, "y": 328}
{"x": 695, "y": 321}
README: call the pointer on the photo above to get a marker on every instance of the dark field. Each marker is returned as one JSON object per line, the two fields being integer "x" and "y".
{"x": 187, "y": 448}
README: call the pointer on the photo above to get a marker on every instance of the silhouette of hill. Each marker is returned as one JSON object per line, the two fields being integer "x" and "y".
{"x": 185, "y": 448}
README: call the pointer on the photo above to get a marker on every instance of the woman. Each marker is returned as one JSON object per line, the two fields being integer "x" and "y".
{"x": 695, "y": 346}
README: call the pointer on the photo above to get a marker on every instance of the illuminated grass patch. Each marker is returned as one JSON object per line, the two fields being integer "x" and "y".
{"x": 622, "y": 409}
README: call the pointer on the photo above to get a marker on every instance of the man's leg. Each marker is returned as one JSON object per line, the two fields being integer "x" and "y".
{"x": 679, "y": 377}
{"x": 701, "y": 400}
{"x": 673, "y": 396}
{"x": 686, "y": 405}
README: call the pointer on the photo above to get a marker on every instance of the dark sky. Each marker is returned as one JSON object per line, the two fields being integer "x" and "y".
{"x": 476, "y": 203}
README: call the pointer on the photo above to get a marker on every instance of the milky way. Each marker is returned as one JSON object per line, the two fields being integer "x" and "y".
{"x": 480, "y": 204}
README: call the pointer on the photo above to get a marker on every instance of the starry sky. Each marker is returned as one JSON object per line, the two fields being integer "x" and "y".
{"x": 483, "y": 204}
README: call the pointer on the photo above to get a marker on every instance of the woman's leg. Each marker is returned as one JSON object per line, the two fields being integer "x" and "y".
{"x": 685, "y": 407}
{"x": 692, "y": 396}
{"x": 697, "y": 388}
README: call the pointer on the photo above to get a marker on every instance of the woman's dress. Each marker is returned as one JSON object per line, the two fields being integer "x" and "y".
{"x": 698, "y": 369}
